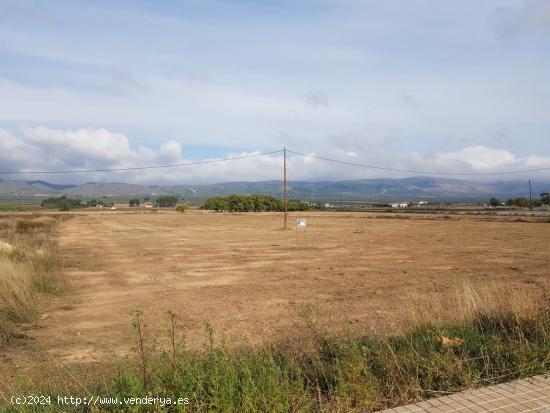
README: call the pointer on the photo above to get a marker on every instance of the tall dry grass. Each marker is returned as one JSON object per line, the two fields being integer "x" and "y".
{"x": 29, "y": 268}
{"x": 18, "y": 298}
{"x": 466, "y": 302}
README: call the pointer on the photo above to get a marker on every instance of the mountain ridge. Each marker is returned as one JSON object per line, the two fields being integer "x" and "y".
{"x": 360, "y": 189}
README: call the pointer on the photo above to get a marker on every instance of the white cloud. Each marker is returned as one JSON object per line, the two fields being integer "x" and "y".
{"x": 478, "y": 157}
{"x": 43, "y": 148}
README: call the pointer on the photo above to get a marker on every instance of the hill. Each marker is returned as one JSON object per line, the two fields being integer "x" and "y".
{"x": 414, "y": 188}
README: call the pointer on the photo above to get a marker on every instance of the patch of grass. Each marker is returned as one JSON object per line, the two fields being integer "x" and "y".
{"x": 28, "y": 225}
{"x": 11, "y": 208}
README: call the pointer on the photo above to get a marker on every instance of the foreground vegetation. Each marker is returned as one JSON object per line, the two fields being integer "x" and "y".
{"x": 28, "y": 269}
{"x": 484, "y": 341}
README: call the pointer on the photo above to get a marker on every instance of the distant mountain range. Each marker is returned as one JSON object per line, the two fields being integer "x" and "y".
{"x": 415, "y": 188}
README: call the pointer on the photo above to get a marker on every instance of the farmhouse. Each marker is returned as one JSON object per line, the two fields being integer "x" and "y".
{"x": 400, "y": 205}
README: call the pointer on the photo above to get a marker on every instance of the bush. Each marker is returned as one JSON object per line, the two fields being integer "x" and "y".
{"x": 182, "y": 207}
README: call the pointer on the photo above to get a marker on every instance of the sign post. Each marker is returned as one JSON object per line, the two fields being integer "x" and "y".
{"x": 301, "y": 225}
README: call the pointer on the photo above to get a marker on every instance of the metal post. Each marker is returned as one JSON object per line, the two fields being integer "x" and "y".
{"x": 285, "y": 192}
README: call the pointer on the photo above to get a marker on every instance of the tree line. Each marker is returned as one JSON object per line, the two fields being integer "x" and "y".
{"x": 63, "y": 203}
{"x": 522, "y": 201}
{"x": 252, "y": 203}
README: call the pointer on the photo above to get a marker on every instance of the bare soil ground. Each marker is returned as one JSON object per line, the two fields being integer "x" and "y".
{"x": 248, "y": 278}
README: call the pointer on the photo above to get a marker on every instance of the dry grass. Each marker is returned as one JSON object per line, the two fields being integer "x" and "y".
{"x": 467, "y": 302}
{"x": 28, "y": 269}
{"x": 17, "y": 294}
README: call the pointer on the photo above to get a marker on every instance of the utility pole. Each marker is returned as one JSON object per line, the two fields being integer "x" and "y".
{"x": 285, "y": 190}
{"x": 530, "y": 197}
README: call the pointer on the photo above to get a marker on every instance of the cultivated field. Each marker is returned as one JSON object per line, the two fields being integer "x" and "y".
{"x": 243, "y": 274}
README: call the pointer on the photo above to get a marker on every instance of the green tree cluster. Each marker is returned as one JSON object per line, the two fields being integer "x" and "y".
{"x": 62, "y": 203}
{"x": 256, "y": 203}
{"x": 167, "y": 201}
{"x": 523, "y": 202}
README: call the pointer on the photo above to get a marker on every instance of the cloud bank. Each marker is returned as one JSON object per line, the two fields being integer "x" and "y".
{"x": 47, "y": 149}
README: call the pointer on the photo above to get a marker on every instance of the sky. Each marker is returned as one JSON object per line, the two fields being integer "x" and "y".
{"x": 443, "y": 86}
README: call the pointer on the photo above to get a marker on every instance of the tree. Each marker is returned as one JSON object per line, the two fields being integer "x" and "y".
{"x": 257, "y": 203}
{"x": 63, "y": 203}
{"x": 494, "y": 202}
{"x": 134, "y": 202}
{"x": 545, "y": 198}
{"x": 167, "y": 201}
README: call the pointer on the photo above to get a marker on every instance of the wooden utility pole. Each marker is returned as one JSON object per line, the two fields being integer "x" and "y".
{"x": 285, "y": 192}
{"x": 530, "y": 197}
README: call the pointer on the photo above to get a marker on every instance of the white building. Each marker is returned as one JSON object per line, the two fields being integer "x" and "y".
{"x": 400, "y": 205}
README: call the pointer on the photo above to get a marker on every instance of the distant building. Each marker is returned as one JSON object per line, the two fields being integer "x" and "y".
{"x": 400, "y": 205}
{"x": 148, "y": 204}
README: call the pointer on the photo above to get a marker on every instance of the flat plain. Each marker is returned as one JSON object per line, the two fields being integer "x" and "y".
{"x": 253, "y": 281}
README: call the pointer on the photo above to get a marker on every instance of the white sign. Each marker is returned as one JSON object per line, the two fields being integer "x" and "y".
{"x": 301, "y": 223}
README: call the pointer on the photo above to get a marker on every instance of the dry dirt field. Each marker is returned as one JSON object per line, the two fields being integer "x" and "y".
{"x": 247, "y": 277}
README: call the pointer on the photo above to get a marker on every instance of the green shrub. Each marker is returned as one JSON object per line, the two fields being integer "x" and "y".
{"x": 182, "y": 207}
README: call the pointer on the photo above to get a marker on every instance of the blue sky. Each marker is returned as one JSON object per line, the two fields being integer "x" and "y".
{"x": 441, "y": 85}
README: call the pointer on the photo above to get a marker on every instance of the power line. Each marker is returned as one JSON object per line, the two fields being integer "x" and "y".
{"x": 139, "y": 168}
{"x": 382, "y": 168}
{"x": 412, "y": 171}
